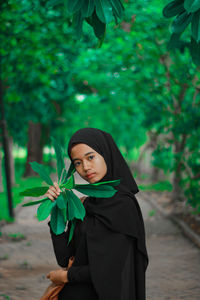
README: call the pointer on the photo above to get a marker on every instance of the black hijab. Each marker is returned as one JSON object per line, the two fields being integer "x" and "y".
{"x": 117, "y": 252}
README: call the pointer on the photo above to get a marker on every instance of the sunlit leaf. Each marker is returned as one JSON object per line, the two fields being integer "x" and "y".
{"x": 34, "y": 192}
{"x": 104, "y": 191}
{"x": 111, "y": 182}
{"x": 57, "y": 221}
{"x": 35, "y": 202}
{"x": 60, "y": 201}
{"x": 44, "y": 209}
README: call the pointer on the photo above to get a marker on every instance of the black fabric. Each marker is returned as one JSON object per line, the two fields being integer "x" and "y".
{"x": 80, "y": 285}
{"x": 115, "y": 234}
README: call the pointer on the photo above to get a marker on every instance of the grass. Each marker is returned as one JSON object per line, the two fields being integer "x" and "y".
{"x": 21, "y": 184}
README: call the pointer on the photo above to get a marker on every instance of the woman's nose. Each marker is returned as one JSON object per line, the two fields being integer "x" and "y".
{"x": 86, "y": 165}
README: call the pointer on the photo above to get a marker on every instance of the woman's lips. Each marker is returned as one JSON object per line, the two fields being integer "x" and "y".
{"x": 90, "y": 175}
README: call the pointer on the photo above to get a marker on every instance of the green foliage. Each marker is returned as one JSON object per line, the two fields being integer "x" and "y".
{"x": 159, "y": 186}
{"x": 186, "y": 12}
{"x": 97, "y": 13}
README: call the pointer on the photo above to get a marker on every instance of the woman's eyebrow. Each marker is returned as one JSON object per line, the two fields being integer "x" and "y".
{"x": 84, "y": 155}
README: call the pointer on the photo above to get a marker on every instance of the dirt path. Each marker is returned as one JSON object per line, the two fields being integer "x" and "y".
{"x": 173, "y": 272}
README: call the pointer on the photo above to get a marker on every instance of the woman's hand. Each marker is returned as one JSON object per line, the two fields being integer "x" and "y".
{"x": 70, "y": 262}
{"x": 83, "y": 198}
{"x": 53, "y": 192}
{"x": 58, "y": 276}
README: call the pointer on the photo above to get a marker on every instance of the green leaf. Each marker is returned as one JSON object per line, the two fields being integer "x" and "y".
{"x": 41, "y": 171}
{"x": 69, "y": 184}
{"x": 35, "y": 202}
{"x": 87, "y": 8}
{"x": 60, "y": 159}
{"x": 111, "y": 182}
{"x": 57, "y": 221}
{"x": 60, "y": 201}
{"x": 195, "y": 51}
{"x": 74, "y": 6}
{"x": 64, "y": 212}
{"x": 181, "y": 22}
{"x": 192, "y": 5}
{"x": 75, "y": 207}
{"x": 173, "y": 8}
{"x": 104, "y": 10}
{"x": 118, "y": 8}
{"x": 73, "y": 224}
{"x": 34, "y": 192}
{"x": 104, "y": 191}
{"x": 98, "y": 26}
{"x": 71, "y": 170}
{"x": 175, "y": 42}
{"x": 44, "y": 209}
{"x": 196, "y": 26}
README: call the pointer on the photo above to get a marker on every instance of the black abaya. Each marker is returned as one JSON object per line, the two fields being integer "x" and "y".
{"x": 114, "y": 241}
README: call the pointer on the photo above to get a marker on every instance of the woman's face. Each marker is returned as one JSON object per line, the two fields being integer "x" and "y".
{"x": 90, "y": 165}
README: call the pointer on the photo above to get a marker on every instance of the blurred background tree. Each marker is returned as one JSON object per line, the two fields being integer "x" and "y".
{"x": 133, "y": 86}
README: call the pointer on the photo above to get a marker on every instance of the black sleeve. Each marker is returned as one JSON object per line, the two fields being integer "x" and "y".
{"x": 79, "y": 274}
{"x": 61, "y": 249}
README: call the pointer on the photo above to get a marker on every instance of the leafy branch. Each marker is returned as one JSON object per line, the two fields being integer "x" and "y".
{"x": 67, "y": 206}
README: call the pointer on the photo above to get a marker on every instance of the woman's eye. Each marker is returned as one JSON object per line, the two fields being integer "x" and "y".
{"x": 76, "y": 164}
{"x": 90, "y": 157}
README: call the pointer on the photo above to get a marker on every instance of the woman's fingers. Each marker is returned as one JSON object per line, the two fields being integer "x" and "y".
{"x": 53, "y": 192}
{"x": 57, "y": 187}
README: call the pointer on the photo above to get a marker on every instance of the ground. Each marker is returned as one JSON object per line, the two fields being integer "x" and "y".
{"x": 173, "y": 271}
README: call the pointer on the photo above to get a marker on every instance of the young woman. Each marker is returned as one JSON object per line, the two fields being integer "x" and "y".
{"x": 108, "y": 247}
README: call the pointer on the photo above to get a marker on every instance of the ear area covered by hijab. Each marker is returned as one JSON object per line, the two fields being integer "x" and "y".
{"x": 117, "y": 253}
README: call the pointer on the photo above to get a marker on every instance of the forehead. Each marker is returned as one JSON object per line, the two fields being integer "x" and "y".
{"x": 80, "y": 150}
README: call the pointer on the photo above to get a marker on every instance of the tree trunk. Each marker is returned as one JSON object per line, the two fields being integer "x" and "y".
{"x": 155, "y": 174}
{"x": 177, "y": 193}
{"x": 12, "y": 162}
{"x": 35, "y": 147}
{"x": 151, "y": 144}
